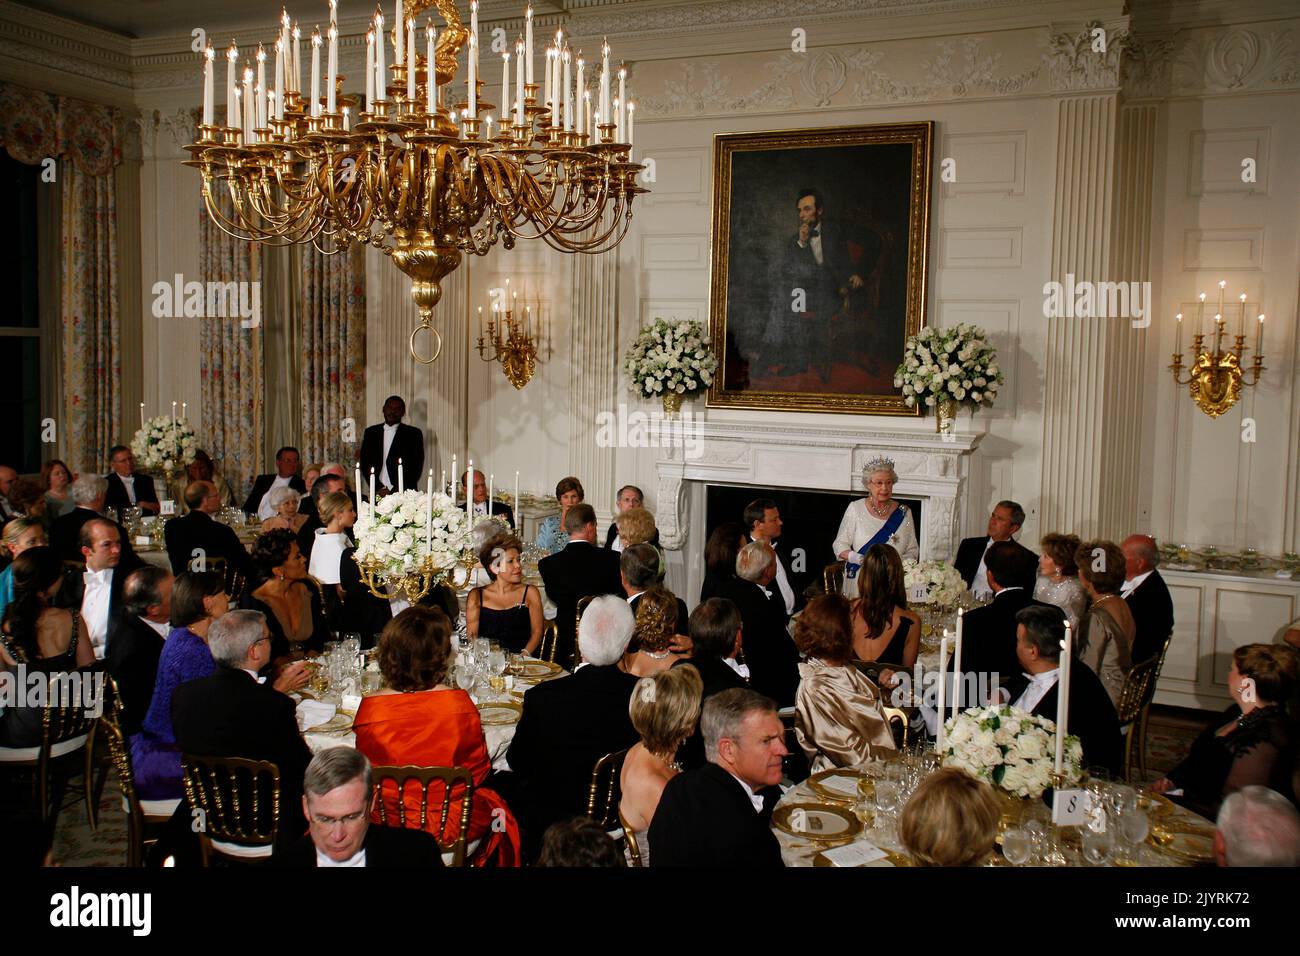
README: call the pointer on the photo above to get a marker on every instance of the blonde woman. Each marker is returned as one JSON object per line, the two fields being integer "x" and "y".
{"x": 338, "y": 515}
{"x": 951, "y": 820}
{"x": 20, "y": 534}
{"x": 664, "y": 709}
{"x": 875, "y": 519}
{"x": 637, "y": 526}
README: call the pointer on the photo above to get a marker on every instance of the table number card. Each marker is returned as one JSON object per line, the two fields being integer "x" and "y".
{"x": 917, "y": 594}
{"x": 1070, "y": 808}
{"x": 166, "y": 507}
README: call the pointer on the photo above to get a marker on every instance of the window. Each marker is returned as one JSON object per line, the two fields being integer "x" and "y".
{"x": 20, "y": 333}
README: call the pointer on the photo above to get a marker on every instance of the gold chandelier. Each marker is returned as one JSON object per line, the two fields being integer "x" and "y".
{"x": 1216, "y": 375}
{"x": 404, "y": 174}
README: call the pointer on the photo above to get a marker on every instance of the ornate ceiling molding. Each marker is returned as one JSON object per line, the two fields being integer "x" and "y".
{"x": 1074, "y": 63}
{"x": 1218, "y": 61}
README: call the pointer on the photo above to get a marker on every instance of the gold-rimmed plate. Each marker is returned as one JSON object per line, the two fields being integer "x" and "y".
{"x": 890, "y": 859}
{"x": 1154, "y": 805}
{"x": 821, "y": 822}
{"x": 838, "y": 784}
{"x": 1194, "y": 847}
{"x": 499, "y": 712}
{"x": 338, "y": 724}
{"x": 536, "y": 670}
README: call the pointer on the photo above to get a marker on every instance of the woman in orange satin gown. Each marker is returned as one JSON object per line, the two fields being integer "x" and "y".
{"x": 417, "y": 720}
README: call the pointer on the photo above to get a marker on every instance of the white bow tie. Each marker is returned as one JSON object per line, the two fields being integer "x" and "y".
{"x": 103, "y": 577}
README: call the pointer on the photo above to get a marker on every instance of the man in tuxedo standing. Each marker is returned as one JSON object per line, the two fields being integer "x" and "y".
{"x": 576, "y": 571}
{"x": 719, "y": 814}
{"x": 97, "y": 591}
{"x": 1039, "y": 633}
{"x": 286, "y": 476}
{"x": 382, "y": 446}
{"x": 1147, "y": 596}
{"x": 770, "y": 653}
{"x": 137, "y": 641}
{"x": 629, "y": 497}
{"x": 763, "y": 521}
{"x": 128, "y": 488}
{"x": 337, "y": 801}
{"x": 197, "y": 531}
{"x": 989, "y": 632}
{"x": 1006, "y": 519}
{"x": 233, "y": 713}
{"x": 480, "y": 504}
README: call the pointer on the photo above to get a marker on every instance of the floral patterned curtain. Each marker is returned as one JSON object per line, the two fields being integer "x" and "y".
{"x": 334, "y": 353}
{"x": 230, "y": 360}
{"x": 85, "y": 142}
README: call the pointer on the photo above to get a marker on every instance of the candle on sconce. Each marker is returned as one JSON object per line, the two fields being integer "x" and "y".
{"x": 142, "y": 403}
{"x": 1063, "y": 696}
{"x": 1241, "y": 331}
{"x": 528, "y": 41}
{"x": 1200, "y": 313}
{"x": 1259, "y": 337}
{"x": 1178, "y": 335}
{"x": 208, "y": 56}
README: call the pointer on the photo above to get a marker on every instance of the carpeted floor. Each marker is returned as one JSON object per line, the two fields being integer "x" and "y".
{"x": 1170, "y": 733}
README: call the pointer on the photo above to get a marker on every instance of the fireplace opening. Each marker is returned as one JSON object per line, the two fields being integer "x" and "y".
{"x": 809, "y": 519}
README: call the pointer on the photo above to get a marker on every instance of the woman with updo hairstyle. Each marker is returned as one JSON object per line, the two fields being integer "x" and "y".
{"x": 420, "y": 719}
{"x": 19, "y": 535}
{"x": 656, "y": 624}
{"x": 839, "y": 719}
{"x": 664, "y": 709}
{"x": 506, "y": 610}
{"x": 291, "y": 601}
{"x": 551, "y": 536}
{"x": 1106, "y": 633}
{"x": 1253, "y": 742}
{"x": 951, "y": 820}
{"x": 1058, "y": 577}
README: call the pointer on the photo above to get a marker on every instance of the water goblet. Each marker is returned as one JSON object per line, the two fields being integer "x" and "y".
{"x": 1036, "y": 831}
{"x": 1017, "y": 846}
{"x": 1097, "y": 846}
{"x": 1121, "y": 798}
{"x": 1133, "y": 830}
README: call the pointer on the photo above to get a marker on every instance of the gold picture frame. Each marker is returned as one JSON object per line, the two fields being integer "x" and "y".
{"x": 854, "y": 244}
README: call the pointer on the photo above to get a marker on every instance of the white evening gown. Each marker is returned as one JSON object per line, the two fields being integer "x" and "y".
{"x": 860, "y": 526}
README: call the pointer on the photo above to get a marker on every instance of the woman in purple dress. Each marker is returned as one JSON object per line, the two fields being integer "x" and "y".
{"x": 198, "y": 599}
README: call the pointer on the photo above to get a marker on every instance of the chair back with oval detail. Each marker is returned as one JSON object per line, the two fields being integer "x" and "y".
{"x": 1134, "y": 698}
{"x": 406, "y": 801}
{"x": 604, "y": 792}
{"x": 896, "y": 717}
{"x": 235, "y": 805}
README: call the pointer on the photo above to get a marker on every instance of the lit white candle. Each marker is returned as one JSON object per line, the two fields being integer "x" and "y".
{"x": 581, "y": 87}
{"x": 622, "y": 103}
{"x": 250, "y": 105}
{"x": 568, "y": 96}
{"x": 261, "y": 87}
{"x": 232, "y": 56}
{"x": 528, "y": 40}
{"x": 586, "y": 109}
{"x": 956, "y": 667}
{"x": 455, "y": 492}
{"x": 1178, "y": 335}
{"x": 173, "y": 414}
{"x": 347, "y": 122}
{"x": 631, "y": 119}
{"x": 604, "y": 85}
{"x": 356, "y": 481}
{"x": 469, "y": 485}
{"x": 473, "y": 31}
{"x": 315, "y": 73}
{"x": 331, "y": 75}
{"x": 428, "y": 514}
{"x": 549, "y": 91}
{"x": 505, "y": 87}
{"x": 372, "y": 494}
{"x": 184, "y": 409}
{"x": 401, "y": 478}
{"x": 279, "y": 78}
{"x": 488, "y": 119}
{"x": 370, "y": 70}
{"x": 520, "y": 116}
{"x": 411, "y": 64}
{"x": 1063, "y": 696}
{"x": 473, "y": 79}
{"x": 297, "y": 61}
{"x": 284, "y": 36}
{"x": 381, "y": 71}
{"x": 430, "y": 94}
{"x": 142, "y": 414}
{"x": 943, "y": 681}
{"x": 398, "y": 20}
{"x": 208, "y": 55}
{"x": 1259, "y": 337}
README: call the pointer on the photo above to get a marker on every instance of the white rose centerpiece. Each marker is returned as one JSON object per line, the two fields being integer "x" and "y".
{"x": 1011, "y": 749}
{"x": 164, "y": 445}
{"x": 408, "y": 537}
{"x": 945, "y": 368}
{"x": 943, "y": 583}
{"x": 670, "y": 360}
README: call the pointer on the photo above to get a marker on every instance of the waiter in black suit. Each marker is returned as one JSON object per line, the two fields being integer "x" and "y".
{"x": 479, "y": 508}
{"x": 1006, "y": 519}
{"x": 128, "y": 488}
{"x": 989, "y": 632}
{"x": 137, "y": 641}
{"x": 763, "y": 523}
{"x": 233, "y": 714}
{"x": 576, "y": 571}
{"x": 719, "y": 814}
{"x": 337, "y": 800}
{"x": 286, "y": 476}
{"x": 197, "y": 531}
{"x": 770, "y": 654}
{"x": 629, "y": 497}
{"x": 1039, "y": 634}
{"x": 1147, "y": 596}
{"x": 382, "y": 446}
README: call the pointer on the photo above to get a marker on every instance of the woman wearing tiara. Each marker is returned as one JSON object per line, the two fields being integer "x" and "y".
{"x": 875, "y": 519}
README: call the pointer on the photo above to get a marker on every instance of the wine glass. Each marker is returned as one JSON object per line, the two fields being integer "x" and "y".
{"x": 1097, "y": 846}
{"x": 888, "y": 801}
{"x": 1122, "y": 799}
{"x": 466, "y": 674}
{"x": 1036, "y": 831}
{"x": 1133, "y": 830}
{"x": 1017, "y": 846}
{"x": 496, "y": 668}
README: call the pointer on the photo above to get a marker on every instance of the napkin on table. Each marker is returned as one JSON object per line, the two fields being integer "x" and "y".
{"x": 313, "y": 713}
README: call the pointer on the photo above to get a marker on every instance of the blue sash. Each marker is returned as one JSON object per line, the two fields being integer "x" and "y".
{"x": 880, "y": 537}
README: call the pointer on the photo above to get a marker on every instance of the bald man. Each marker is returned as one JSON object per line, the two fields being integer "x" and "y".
{"x": 1147, "y": 596}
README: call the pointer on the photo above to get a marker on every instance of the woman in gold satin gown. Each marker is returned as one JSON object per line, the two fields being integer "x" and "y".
{"x": 839, "y": 720}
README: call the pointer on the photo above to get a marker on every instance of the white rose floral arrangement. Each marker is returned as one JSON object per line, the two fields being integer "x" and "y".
{"x": 956, "y": 364}
{"x": 670, "y": 358}
{"x": 401, "y": 534}
{"x": 164, "y": 444}
{"x": 1011, "y": 749}
{"x": 943, "y": 583}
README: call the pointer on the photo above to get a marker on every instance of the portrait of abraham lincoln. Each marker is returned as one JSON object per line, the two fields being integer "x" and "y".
{"x": 819, "y": 264}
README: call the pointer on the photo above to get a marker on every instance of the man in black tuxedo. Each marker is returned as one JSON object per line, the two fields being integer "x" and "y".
{"x": 1006, "y": 519}
{"x": 719, "y": 814}
{"x": 715, "y": 642}
{"x": 1147, "y": 596}
{"x": 1039, "y": 634}
{"x": 128, "y": 488}
{"x": 763, "y": 523}
{"x": 307, "y": 506}
{"x": 233, "y": 714}
{"x": 638, "y": 570}
{"x": 629, "y": 497}
{"x": 197, "y": 531}
{"x": 989, "y": 632}
{"x": 480, "y": 504}
{"x": 286, "y": 476}
{"x": 96, "y": 592}
{"x": 570, "y": 723}
{"x": 770, "y": 653}
{"x": 88, "y": 491}
{"x": 578, "y": 570}
{"x": 382, "y": 445}
{"x": 325, "y": 484}
{"x": 137, "y": 641}
{"x": 337, "y": 801}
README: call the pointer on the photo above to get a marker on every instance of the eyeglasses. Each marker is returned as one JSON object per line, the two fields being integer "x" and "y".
{"x": 330, "y": 821}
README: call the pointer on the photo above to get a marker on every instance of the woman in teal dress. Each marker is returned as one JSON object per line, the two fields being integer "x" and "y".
{"x": 552, "y": 537}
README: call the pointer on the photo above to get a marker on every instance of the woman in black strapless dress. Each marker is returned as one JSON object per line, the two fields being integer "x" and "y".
{"x": 507, "y": 610}
{"x": 883, "y": 628}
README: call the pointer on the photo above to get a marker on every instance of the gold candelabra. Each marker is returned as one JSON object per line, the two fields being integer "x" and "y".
{"x": 404, "y": 174}
{"x": 512, "y": 341}
{"x": 1215, "y": 375}
{"x": 412, "y": 584}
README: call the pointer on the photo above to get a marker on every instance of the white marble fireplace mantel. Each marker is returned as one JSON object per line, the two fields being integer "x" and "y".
{"x": 824, "y": 458}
